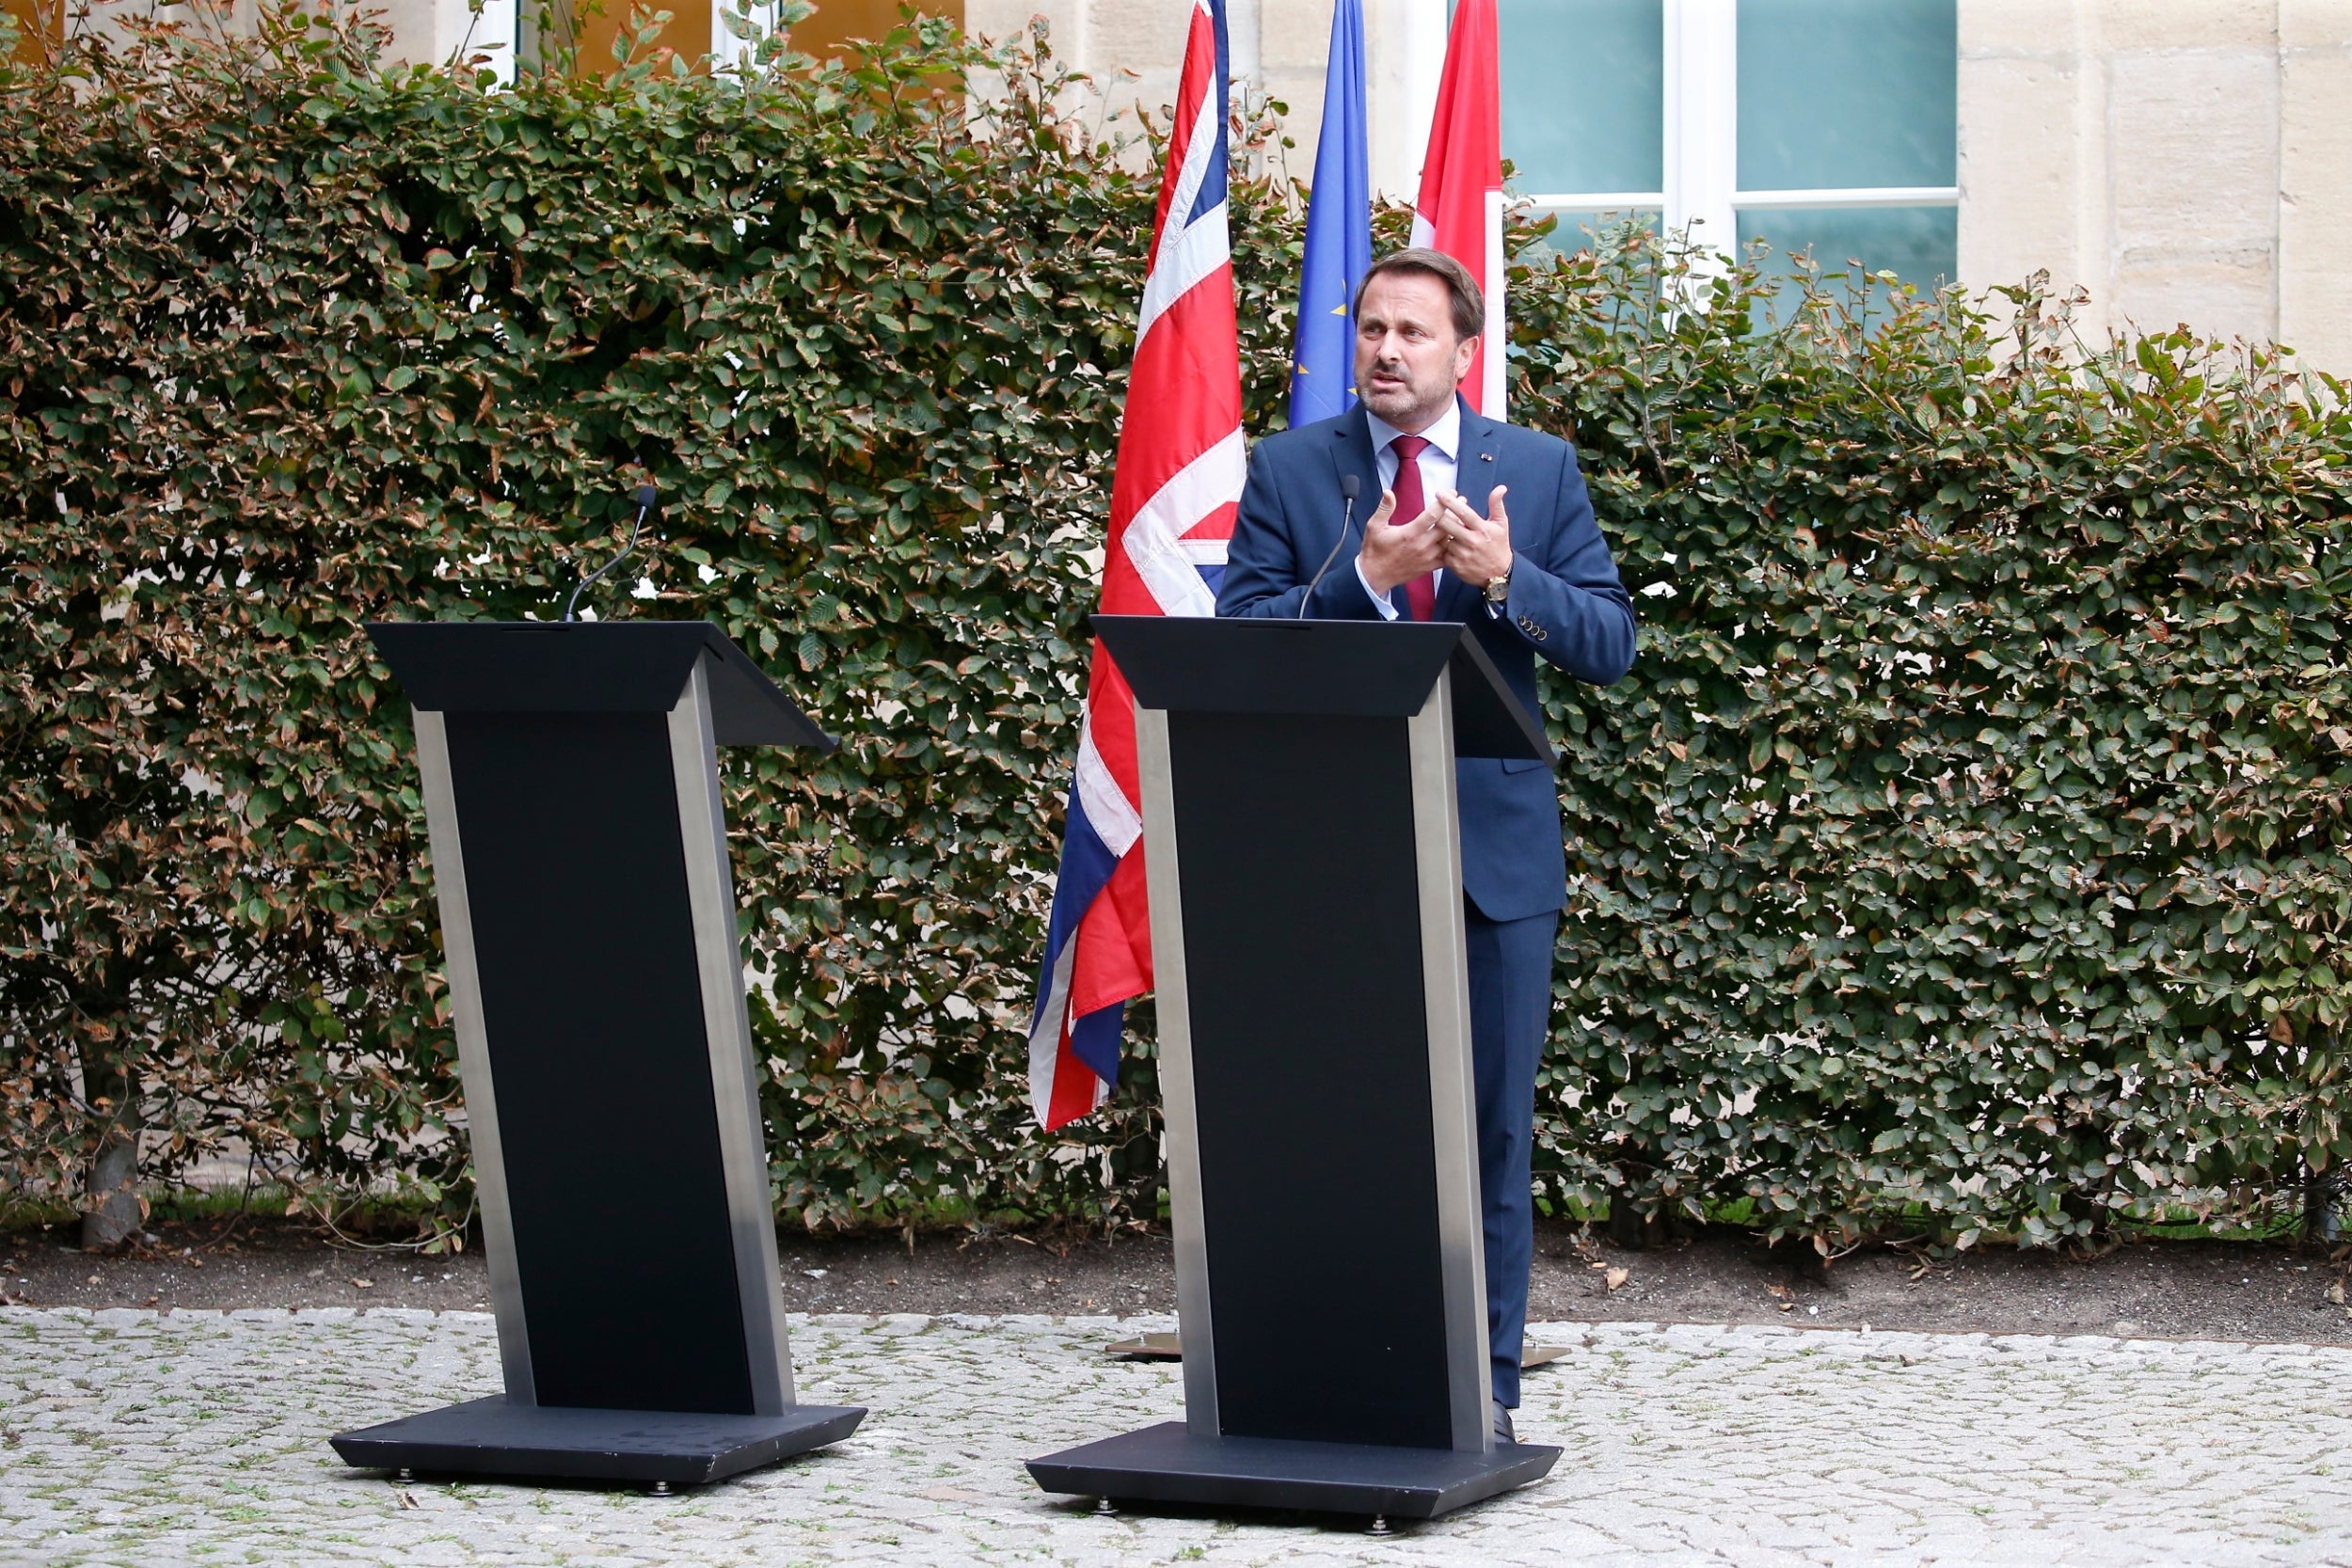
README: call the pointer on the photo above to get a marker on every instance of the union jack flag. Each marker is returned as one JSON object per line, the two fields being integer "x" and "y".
{"x": 1179, "y": 478}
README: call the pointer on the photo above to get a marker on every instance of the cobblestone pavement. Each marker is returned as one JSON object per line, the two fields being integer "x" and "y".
{"x": 130, "y": 1438}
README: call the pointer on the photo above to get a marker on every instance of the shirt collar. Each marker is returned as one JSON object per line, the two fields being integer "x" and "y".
{"x": 1444, "y": 436}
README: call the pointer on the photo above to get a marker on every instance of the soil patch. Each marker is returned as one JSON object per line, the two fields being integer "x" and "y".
{"x": 2174, "y": 1289}
{"x": 2151, "y": 1289}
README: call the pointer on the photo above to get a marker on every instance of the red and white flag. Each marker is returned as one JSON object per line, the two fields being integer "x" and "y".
{"x": 1173, "y": 496}
{"x": 1460, "y": 209}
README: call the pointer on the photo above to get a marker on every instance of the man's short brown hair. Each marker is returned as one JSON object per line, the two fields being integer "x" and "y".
{"x": 1469, "y": 300}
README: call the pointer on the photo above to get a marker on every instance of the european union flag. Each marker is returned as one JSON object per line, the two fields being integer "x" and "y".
{"x": 1339, "y": 233}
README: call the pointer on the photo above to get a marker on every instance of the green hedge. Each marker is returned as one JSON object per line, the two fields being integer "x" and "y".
{"x": 1967, "y": 839}
{"x": 1970, "y": 838}
{"x": 291, "y": 345}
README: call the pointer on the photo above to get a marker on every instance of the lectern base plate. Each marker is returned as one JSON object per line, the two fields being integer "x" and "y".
{"x": 1165, "y": 1464}
{"x": 491, "y": 1437}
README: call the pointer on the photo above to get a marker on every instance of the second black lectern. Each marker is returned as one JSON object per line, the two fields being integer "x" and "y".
{"x": 1304, "y": 861}
{"x": 571, "y": 792}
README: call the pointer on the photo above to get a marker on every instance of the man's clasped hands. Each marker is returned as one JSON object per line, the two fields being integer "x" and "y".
{"x": 1448, "y": 533}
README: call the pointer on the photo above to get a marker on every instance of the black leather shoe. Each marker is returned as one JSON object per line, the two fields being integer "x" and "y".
{"x": 1502, "y": 1424}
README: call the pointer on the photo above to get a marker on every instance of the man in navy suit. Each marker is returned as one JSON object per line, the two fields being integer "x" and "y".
{"x": 1534, "y": 578}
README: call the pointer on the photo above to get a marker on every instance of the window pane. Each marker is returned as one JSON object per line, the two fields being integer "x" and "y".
{"x": 1918, "y": 245}
{"x": 1584, "y": 93}
{"x": 1846, "y": 92}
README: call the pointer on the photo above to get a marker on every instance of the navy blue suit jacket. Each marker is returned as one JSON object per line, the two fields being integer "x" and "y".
{"x": 1566, "y": 604}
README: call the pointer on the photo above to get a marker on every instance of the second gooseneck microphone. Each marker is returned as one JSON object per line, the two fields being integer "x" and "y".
{"x": 1351, "y": 487}
{"x": 646, "y": 496}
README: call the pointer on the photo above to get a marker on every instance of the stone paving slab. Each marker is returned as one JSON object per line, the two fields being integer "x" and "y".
{"x": 137, "y": 1439}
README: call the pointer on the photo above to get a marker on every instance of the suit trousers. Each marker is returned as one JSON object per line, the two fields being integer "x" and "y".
{"x": 1510, "y": 994}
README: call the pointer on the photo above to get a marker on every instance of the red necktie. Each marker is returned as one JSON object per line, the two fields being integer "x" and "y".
{"x": 1421, "y": 594}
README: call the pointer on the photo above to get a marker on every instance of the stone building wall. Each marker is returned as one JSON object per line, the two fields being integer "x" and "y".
{"x": 2182, "y": 160}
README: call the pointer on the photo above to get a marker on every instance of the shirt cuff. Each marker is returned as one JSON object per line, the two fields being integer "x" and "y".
{"x": 1387, "y": 611}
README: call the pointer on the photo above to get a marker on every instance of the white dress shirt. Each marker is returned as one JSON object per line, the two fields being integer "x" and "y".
{"x": 1438, "y": 464}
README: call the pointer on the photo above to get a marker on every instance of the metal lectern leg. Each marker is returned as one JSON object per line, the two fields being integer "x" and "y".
{"x": 473, "y": 1057}
{"x": 726, "y": 1020}
{"x": 1178, "y": 1118}
{"x": 1453, "y": 1116}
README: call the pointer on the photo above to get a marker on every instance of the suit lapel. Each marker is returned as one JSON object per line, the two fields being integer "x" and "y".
{"x": 1477, "y": 469}
{"x": 1351, "y": 453}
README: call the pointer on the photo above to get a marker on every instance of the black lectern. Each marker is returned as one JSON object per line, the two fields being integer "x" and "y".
{"x": 1305, "y": 872}
{"x": 571, "y": 791}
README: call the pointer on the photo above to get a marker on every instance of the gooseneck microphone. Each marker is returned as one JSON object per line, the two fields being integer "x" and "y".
{"x": 1351, "y": 487}
{"x": 646, "y": 496}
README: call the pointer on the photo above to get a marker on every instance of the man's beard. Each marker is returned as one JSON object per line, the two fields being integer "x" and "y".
{"x": 1406, "y": 402}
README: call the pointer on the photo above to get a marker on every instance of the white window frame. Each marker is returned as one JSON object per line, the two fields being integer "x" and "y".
{"x": 493, "y": 30}
{"x": 730, "y": 48}
{"x": 1702, "y": 143}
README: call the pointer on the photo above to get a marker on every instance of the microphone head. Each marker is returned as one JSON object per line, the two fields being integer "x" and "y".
{"x": 646, "y": 496}
{"x": 1351, "y": 486}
